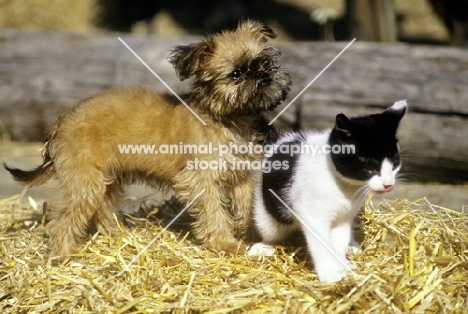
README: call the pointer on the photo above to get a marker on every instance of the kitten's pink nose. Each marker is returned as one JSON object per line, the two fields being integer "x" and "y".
{"x": 388, "y": 188}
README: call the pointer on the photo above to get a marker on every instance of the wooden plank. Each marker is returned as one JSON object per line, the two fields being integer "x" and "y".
{"x": 43, "y": 72}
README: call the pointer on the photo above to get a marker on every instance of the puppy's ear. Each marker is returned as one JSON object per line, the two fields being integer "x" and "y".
{"x": 187, "y": 60}
{"x": 260, "y": 29}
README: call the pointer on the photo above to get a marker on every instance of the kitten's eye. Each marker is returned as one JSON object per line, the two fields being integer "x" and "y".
{"x": 372, "y": 172}
{"x": 236, "y": 74}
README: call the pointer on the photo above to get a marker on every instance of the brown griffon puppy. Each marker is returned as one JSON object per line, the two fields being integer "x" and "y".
{"x": 236, "y": 78}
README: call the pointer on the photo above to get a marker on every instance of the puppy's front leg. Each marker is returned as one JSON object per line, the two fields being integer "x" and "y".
{"x": 213, "y": 223}
{"x": 242, "y": 199}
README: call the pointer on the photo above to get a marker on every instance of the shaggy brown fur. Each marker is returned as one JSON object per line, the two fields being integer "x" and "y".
{"x": 235, "y": 79}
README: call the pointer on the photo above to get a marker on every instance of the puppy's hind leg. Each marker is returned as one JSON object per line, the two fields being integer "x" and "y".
{"x": 82, "y": 192}
{"x": 103, "y": 219}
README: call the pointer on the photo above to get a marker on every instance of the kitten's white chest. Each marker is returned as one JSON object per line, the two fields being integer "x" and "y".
{"x": 317, "y": 188}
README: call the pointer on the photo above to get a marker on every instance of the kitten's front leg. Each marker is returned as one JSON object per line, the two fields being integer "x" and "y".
{"x": 342, "y": 239}
{"x": 341, "y": 236}
{"x": 330, "y": 263}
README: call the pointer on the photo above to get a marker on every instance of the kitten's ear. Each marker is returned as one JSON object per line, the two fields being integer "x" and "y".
{"x": 397, "y": 110}
{"x": 342, "y": 126}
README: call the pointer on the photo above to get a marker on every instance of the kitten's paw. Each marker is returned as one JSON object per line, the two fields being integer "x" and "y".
{"x": 332, "y": 276}
{"x": 352, "y": 265}
{"x": 262, "y": 249}
{"x": 353, "y": 250}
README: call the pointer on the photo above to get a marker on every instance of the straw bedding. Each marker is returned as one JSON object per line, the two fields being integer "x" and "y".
{"x": 414, "y": 260}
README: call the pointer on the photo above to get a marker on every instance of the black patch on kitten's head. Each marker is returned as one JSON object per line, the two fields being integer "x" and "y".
{"x": 374, "y": 139}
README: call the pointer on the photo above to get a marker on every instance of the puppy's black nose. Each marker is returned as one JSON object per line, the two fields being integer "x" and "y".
{"x": 260, "y": 74}
{"x": 262, "y": 77}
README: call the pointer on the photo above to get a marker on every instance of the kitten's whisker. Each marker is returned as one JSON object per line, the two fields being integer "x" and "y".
{"x": 362, "y": 195}
{"x": 403, "y": 180}
{"x": 407, "y": 176}
{"x": 407, "y": 153}
{"x": 361, "y": 192}
{"x": 404, "y": 149}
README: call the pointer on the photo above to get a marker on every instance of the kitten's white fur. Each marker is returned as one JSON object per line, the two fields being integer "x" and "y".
{"x": 325, "y": 203}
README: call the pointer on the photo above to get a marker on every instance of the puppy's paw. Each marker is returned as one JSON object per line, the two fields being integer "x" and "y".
{"x": 228, "y": 247}
{"x": 262, "y": 249}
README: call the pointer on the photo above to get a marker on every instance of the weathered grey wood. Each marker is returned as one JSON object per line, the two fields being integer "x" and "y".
{"x": 43, "y": 72}
{"x": 369, "y": 77}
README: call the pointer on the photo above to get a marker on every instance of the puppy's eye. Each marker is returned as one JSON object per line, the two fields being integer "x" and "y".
{"x": 267, "y": 64}
{"x": 237, "y": 73}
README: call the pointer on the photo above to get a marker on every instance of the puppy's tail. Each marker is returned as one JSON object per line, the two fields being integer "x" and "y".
{"x": 34, "y": 177}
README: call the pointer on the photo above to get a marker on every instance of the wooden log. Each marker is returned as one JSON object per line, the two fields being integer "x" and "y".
{"x": 369, "y": 77}
{"x": 43, "y": 72}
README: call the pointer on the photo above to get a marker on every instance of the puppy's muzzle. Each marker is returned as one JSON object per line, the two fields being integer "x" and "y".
{"x": 262, "y": 77}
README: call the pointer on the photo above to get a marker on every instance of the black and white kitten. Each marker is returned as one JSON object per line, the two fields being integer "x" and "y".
{"x": 317, "y": 192}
